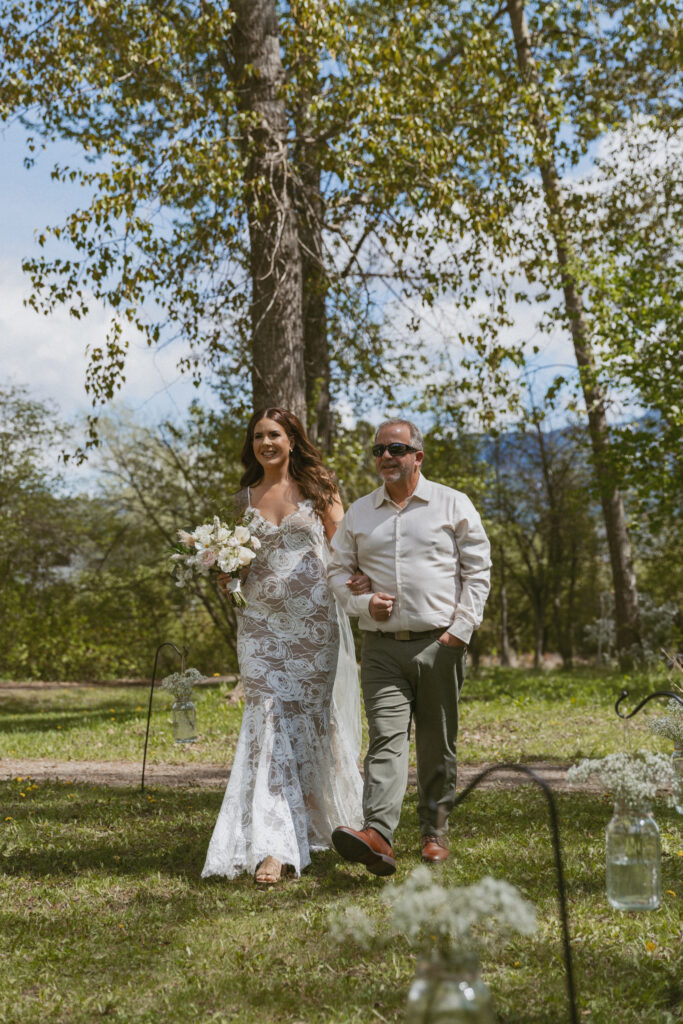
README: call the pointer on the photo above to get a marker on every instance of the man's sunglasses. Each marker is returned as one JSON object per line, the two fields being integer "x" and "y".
{"x": 395, "y": 448}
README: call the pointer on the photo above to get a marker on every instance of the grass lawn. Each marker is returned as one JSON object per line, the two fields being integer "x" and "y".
{"x": 105, "y": 917}
{"x": 507, "y": 714}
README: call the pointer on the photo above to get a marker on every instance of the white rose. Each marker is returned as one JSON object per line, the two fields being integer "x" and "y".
{"x": 255, "y": 543}
{"x": 245, "y": 556}
{"x": 242, "y": 535}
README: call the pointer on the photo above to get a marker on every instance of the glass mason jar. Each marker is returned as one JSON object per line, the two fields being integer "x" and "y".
{"x": 449, "y": 990}
{"x": 633, "y": 859}
{"x": 677, "y": 762}
{"x": 184, "y": 721}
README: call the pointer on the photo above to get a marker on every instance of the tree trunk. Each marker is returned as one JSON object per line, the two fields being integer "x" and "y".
{"x": 275, "y": 258}
{"x": 310, "y": 207}
{"x": 621, "y": 560}
{"x": 315, "y": 287}
{"x": 570, "y": 627}
{"x": 539, "y": 633}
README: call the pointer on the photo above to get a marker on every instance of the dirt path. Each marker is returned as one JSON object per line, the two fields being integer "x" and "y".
{"x": 214, "y": 776}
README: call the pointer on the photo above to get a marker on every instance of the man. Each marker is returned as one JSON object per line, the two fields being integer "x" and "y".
{"x": 424, "y": 548}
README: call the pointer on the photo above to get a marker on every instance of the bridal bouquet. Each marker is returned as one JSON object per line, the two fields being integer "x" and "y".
{"x": 216, "y": 547}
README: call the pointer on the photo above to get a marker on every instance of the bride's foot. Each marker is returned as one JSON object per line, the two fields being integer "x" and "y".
{"x": 271, "y": 870}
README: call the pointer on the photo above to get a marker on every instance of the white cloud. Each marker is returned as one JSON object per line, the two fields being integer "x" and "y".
{"x": 47, "y": 353}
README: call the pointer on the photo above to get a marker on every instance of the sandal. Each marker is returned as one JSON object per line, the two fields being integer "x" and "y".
{"x": 267, "y": 874}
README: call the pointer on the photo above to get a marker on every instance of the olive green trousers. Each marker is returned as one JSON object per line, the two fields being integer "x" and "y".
{"x": 403, "y": 679}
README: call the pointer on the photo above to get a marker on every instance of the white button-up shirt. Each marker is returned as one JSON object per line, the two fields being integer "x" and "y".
{"x": 432, "y": 555}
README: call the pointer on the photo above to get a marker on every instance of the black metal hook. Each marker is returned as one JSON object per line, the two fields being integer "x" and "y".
{"x": 650, "y": 696}
{"x": 562, "y": 900}
{"x": 182, "y": 655}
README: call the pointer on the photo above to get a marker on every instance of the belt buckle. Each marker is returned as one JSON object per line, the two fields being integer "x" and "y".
{"x": 402, "y": 634}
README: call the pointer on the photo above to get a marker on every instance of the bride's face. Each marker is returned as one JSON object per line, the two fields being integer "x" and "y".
{"x": 271, "y": 444}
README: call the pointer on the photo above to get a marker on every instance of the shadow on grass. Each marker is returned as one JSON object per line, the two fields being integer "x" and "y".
{"x": 31, "y": 715}
{"x": 81, "y": 828}
{"x": 169, "y": 830}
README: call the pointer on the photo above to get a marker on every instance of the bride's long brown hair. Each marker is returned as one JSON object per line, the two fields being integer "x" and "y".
{"x": 305, "y": 461}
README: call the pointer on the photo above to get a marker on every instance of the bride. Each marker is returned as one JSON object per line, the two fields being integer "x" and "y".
{"x": 295, "y": 774}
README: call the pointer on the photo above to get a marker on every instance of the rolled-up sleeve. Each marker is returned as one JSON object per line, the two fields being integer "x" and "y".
{"x": 343, "y": 563}
{"x": 474, "y": 557}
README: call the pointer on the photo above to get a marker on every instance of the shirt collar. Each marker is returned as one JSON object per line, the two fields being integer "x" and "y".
{"x": 422, "y": 491}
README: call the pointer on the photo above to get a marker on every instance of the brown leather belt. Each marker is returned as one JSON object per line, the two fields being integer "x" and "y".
{"x": 411, "y": 634}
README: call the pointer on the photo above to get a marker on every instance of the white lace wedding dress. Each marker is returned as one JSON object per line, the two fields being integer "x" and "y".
{"x": 295, "y": 775}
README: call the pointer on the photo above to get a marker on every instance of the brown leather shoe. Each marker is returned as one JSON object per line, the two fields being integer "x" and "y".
{"x": 434, "y": 849}
{"x": 365, "y": 847}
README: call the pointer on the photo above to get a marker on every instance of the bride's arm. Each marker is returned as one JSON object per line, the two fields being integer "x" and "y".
{"x": 333, "y": 517}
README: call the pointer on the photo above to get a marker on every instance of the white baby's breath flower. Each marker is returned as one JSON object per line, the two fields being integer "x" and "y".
{"x": 635, "y": 780}
{"x": 425, "y": 912}
{"x": 352, "y": 925}
{"x": 181, "y": 684}
{"x": 671, "y": 724}
{"x": 420, "y": 905}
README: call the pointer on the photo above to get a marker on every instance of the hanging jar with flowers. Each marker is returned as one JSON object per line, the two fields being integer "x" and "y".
{"x": 181, "y": 685}
{"x": 447, "y": 923}
{"x": 632, "y": 844}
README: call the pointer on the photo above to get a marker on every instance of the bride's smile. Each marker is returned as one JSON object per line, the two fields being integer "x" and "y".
{"x": 272, "y": 446}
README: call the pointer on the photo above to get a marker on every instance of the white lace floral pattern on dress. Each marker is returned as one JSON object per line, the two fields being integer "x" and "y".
{"x": 294, "y": 777}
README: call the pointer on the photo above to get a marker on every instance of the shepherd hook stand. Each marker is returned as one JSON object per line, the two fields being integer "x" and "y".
{"x": 182, "y": 655}
{"x": 441, "y": 817}
{"x": 650, "y": 696}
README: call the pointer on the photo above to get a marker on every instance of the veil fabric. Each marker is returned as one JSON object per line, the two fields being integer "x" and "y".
{"x": 346, "y": 691}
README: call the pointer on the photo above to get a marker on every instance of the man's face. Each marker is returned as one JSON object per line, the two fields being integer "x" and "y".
{"x": 396, "y": 468}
